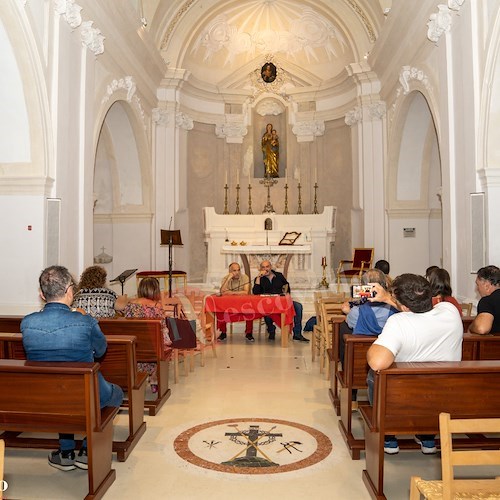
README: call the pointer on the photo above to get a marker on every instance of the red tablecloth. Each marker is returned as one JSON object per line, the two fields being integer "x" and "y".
{"x": 233, "y": 308}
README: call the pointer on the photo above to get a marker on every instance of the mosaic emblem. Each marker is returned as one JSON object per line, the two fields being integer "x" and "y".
{"x": 252, "y": 446}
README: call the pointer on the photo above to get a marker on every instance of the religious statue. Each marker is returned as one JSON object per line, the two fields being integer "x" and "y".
{"x": 271, "y": 151}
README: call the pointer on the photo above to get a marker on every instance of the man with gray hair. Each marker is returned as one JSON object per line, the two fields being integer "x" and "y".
{"x": 488, "y": 308}
{"x": 58, "y": 333}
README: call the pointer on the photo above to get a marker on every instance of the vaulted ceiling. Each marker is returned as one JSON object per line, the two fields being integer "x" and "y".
{"x": 224, "y": 43}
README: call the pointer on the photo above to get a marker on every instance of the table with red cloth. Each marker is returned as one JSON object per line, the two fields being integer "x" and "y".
{"x": 233, "y": 308}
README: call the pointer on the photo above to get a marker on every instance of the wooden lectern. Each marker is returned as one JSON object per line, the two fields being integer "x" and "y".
{"x": 170, "y": 238}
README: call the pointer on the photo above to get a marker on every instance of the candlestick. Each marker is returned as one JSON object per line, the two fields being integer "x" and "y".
{"x": 237, "y": 211}
{"x": 315, "y": 209}
{"x": 249, "y": 212}
{"x": 286, "y": 212}
{"x": 226, "y": 211}
{"x": 299, "y": 208}
{"x": 323, "y": 283}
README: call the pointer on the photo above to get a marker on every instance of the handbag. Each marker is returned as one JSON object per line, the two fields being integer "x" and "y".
{"x": 182, "y": 333}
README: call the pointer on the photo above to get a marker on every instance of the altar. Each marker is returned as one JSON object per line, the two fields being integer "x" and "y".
{"x": 249, "y": 239}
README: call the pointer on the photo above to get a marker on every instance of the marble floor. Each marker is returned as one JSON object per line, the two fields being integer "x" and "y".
{"x": 246, "y": 380}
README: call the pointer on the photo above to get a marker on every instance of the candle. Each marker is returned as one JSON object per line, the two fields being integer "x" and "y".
{"x": 238, "y": 176}
{"x": 225, "y": 181}
{"x": 286, "y": 175}
{"x": 315, "y": 175}
{"x": 323, "y": 261}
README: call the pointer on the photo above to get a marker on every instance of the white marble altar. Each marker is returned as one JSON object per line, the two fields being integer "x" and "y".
{"x": 225, "y": 233}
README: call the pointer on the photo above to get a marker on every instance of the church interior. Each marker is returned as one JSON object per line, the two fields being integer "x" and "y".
{"x": 296, "y": 131}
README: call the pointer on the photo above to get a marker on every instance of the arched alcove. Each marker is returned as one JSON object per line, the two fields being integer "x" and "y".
{"x": 122, "y": 193}
{"x": 414, "y": 189}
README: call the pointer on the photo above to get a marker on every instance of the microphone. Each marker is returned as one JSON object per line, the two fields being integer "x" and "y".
{"x": 243, "y": 285}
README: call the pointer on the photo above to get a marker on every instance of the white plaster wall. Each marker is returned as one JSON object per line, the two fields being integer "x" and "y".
{"x": 22, "y": 252}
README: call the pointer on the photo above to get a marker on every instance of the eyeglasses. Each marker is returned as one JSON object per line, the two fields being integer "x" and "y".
{"x": 69, "y": 286}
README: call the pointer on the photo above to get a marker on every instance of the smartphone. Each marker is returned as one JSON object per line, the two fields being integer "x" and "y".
{"x": 359, "y": 291}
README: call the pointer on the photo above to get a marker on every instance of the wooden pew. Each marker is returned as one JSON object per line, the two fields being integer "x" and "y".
{"x": 118, "y": 366}
{"x": 63, "y": 397}
{"x": 463, "y": 388}
{"x": 353, "y": 376}
{"x": 333, "y": 354}
{"x": 149, "y": 348}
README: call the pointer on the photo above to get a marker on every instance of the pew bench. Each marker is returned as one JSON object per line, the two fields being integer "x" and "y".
{"x": 149, "y": 349}
{"x": 119, "y": 366}
{"x": 353, "y": 375}
{"x": 63, "y": 398}
{"x": 408, "y": 398}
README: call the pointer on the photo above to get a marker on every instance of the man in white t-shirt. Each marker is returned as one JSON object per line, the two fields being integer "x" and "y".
{"x": 418, "y": 333}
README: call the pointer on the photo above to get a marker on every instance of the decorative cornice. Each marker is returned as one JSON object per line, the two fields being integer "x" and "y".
{"x": 269, "y": 107}
{"x": 455, "y": 4}
{"x": 232, "y": 132}
{"x": 489, "y": 176}
{"x": 92, "y": 38}
{"x": 439, "y": 23}
{"x": 16, "y": 186}
{"x": 70, "y": 11}
{"x": 364, "y": 18}
{"x": 174, "y": 21}
{"x": 353, "y": 116}
{"x": 306, "y": 131}
{"x": 183, "y": 121}
{"x": 405, "y": 213}
{"x": 161, "y": 116}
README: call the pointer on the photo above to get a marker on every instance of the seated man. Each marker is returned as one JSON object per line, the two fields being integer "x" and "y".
{"x": 235, "y": 283}
{"x": 273, "y": 282}
{"x": 57, "y": 333}
{"x": 488, "y": 308}
{"x": 418, "y": 333}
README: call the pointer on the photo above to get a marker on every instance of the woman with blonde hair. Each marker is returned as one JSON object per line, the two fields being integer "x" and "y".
{"x": 148, "y": 305}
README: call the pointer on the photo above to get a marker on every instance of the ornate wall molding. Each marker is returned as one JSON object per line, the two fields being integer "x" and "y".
{"x": 377, "y": 110}
{"x": 354, "y": 116}
{"x": 306, "y": 131}
{"x": 92, "y": 38}
{"x": 161, "y": 116}
{"x": 409, "y": 73}
{"x": 269, "y": 107}
{"x": 440, "y": 22}
{"x": 232, "y": 132}
{"x": 174, "y": 21}
{"x": 364, "y": 18}
{"x": 70, "y": 11}
{"x": 183, "y": 121}
{"x": 126, "y": 83}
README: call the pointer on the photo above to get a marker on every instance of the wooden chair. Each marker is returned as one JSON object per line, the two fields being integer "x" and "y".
{"x": 466, "y": 308}
{"x": 361, "y": 261}
{"x": 329, "y": 311}
{"x": 320, "y": 297}
{"x": 450, "y": 487}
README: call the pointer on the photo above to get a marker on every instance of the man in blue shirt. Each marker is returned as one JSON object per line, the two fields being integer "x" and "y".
{"x": 58, "y": 333}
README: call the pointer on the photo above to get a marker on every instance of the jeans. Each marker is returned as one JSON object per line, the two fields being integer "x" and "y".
{"x": 297, "y": 321}
{"x": 109, "y": 395}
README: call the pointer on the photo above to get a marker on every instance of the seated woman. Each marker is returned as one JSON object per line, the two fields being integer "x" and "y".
{"x": 94, "y": 298}
{"x": 148, "y": 305}
{"x": 365, "y": 318}
{"x": 441, "y": 288}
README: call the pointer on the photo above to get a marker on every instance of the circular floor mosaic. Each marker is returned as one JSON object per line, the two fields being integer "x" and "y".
{"x": 252, "y": 446}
